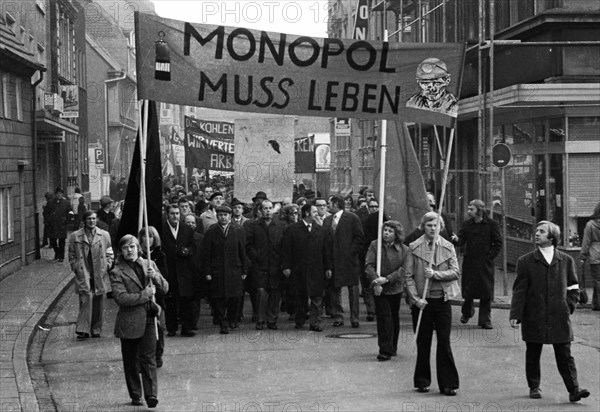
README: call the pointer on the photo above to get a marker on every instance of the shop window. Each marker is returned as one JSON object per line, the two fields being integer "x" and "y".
{"x": 522, "y": 133}
{"x": 556, "y": 130}
{"x": 19, "y": 99}
{"x": 584, "y": 128}
{"x": 6, "y": 216}
{"x": 520, "y": 197}
{"x": 5, "y": 97}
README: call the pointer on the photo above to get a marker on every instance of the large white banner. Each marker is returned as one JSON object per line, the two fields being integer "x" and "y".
{"x": 264, "y": 157}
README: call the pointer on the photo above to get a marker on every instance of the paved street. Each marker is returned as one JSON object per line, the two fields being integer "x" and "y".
{"x": 283, "y": 370}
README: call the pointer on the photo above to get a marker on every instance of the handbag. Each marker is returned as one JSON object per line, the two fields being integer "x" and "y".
{"x": 583, "y": 297}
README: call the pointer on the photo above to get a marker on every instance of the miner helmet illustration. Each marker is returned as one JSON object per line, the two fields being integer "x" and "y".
{"x": 162, "y": 70}
{"x": 433, "y": 79}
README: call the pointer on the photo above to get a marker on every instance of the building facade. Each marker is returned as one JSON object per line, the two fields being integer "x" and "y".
{"x": 531, "y": 80}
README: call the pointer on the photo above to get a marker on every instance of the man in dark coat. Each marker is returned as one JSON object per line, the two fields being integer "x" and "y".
{"x": 482, "y": 237}
{"x": 180, "y": 247}
{"x": 346, "y": 231}
{"x": 60, "y": 216}
{"x": 200, "y": 289}
{"x": 545, "y": 294}
{"x": 225, "y": 267}
{"x": 263, "y": 247}
{"x": 306, "y": 257}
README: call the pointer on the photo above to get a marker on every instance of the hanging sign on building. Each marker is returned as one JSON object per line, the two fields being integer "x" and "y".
{"x": 70, "y": 96}
{"x": 235, "y": 68}
{"x": 342, "y": 127}
{"x": 361, "y": 20}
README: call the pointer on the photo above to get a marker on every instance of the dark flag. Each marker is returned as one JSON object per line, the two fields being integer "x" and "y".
{"x": 131, "y": 210}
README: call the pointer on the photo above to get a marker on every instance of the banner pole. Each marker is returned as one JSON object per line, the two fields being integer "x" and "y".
{"x": 382, "y": 162}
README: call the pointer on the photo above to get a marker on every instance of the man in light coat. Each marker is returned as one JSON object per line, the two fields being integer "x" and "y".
{"x": 91, "y": 257}
{"x": 545, "y": 294}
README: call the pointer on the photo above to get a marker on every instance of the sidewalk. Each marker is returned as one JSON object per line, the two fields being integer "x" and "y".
{"x": 25, "y": 297}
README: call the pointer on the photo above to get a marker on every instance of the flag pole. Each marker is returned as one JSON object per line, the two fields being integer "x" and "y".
{"x": 143, "y": 202}
{"x": 444, "y": 181}
{"x": 382, "y": 162}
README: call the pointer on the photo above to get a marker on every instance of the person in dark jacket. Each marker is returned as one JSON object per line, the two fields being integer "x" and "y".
{"x": 105, "y": 213}
{"x": 545, "y": 294}
{"x": 225, "y": 267}
{"x": 199, "y": 288}
{"x": 47, "y": 213}
{"x": 590, "y": 251}
{"x": 61, "y": 215}
{"x": 134, "y": 282}
{"x": 483, "y": 243}
{"x": 348, "y": 239}
{"x": 307, "y": 261}
{"x": 263, "y": 248}
{"x": 179, "y": 246}
{"x": 159, "y": 258}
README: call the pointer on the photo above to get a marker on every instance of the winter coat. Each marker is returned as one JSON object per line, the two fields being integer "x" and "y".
{"x": 308, "y": 256}
{"x": 395, "y": 261}
{"x": 225, "y": 260}
{"x": 348, "y": 242}
{"x": 590, "y": 246}
{"x": 60, "y": 216}
{"x": 541, "y": 301}
{"x": 263, "y": 248}
{"x": 484, "y": 242}
{"x": 102, "y": 260}
{"x": 180, "y": 253}
{"x": 127, "y": 292}
{"x": 444, "y": 263}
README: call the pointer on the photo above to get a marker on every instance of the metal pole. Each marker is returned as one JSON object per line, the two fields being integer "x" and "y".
{"x": 382, "y": 172}
{"x": 504, "y": 258}
{"x": 481, "y": 109}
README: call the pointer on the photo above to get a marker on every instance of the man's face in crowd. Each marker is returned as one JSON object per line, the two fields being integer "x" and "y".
{"x": 238, "y": 210}
{"x": 431, "y": 229}
{"x": 542, "y": 236}
{"x": 184, "y": 208}
{"x": 173, "y": 216}
{"x": 208, "y": 192}
{"x": 218, "y": 201}
{"x": 321, "y": 207}
{"x": 373, "y": 206}
{"x": 472, "y": 211}
{"x": 369, "y": 196}
{"x": 266, "y": 210}
{"x": 90, "y": 221}
{"x": 190, "y": 220}
{"x": 224, "y": 218}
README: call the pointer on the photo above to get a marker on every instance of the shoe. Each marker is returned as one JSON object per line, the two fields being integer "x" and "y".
{"x": 233, "y": 325}
{"x": 394, "y": 353}
{"x": 370, "y": 318}
{"x": 299, "y": 326}
{"x": 464, "y": 319}
{"x": 60, "y": 260}
{"x": 382, "y": 358}
{"x": 423, "y": 389}
{"x": 597, "y": 308}
{"x": 338, "y": 324}
{"x": 83, "y": 336}
{"x": 152, "y": 401}
{"x": 355, "y": 324}
{"x": 448, "y": 392}
{"x": 224, "y": 331}
{"x": 272, "y": 325}
{"x": 316, "y": 328}
{"x": 159, "y": 363}
{"x": 577, "y": 394}
{"x": 486, "y": 326}
{"x": 136, "y": 402}
{"x": 187, "y": 333}
{"x": 95, "y": 335}
{"x": 260, "y": 326}
{"x": 535, "y": 393}
{"x": 292, "y": 317}
{"x": 171, "y": 333}
{"x": 254, "y": 318}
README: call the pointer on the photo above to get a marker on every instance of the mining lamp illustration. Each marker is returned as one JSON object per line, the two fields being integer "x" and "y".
{"x": 162, "y": 70}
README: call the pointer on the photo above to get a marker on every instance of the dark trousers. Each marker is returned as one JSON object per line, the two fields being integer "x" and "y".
{"x": 301, "y": 308}
{"x": 268, "y": 301}
{"x": 437, "y": 316}
{"x": 564, "y": 362}
{"x": 387, "y": 311}
{"x": 227, "y": 310}
{"x": 59, "y": 247}
{"x": 182, "y": 306}
{"x": 160, "y": 343}
{"x": 367, "y": 292}
{"x": 336, "y": 304}
{"x": 485, "y": 310}
{"x": 595, "y": 270}
{"x": 139, "y": 356}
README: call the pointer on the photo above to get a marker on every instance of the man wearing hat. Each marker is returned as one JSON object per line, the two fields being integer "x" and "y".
{"x": 237, "y": 208}
{"x": 256, "y": 200}
{"x": 61, "y": 214}
{"x": 209, "y": 217}
{"x": 225, "y": 267}
{"x": 433, "y": 78}
{"x": 105, "y": 214}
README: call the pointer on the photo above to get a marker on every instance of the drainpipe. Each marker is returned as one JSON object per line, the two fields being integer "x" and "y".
{"x": 106, "y": 139}
{"x": 36, "y": 218}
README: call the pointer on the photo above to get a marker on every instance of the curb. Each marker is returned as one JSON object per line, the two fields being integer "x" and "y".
{"x": 27, "y": 397}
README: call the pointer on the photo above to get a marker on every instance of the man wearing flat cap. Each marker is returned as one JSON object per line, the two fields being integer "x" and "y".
{"x": 237, "y": 208}
{"x": 433, "y": 79}
{"x": 209, "y": 217}
{"x": 225, "y": 267}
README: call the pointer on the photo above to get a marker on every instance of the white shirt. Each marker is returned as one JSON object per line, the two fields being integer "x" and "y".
{"x": 548, "y": 253}
{"x": 174, "y": 230}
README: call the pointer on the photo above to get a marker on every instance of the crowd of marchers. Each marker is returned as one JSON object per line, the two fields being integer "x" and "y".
{"x": 292, "y": 260}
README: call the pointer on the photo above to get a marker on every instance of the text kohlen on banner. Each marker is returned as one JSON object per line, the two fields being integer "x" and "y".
{"x": 247, "y": 70}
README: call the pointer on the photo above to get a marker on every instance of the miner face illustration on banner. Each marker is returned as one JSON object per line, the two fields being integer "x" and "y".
{"x": 433, "y": 79}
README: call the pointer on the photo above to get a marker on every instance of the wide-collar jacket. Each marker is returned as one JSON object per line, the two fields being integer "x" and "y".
{"x": 127, "y": 292}
{"x": 102, "y": 260}
{"x": 348, "y": 242}
{"x": 444, "y": 264}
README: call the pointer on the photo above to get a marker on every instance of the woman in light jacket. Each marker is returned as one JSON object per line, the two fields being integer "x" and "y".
{"x": 134, "y": 282}
{"x": 433, "y": 258}
{"x": 388, "y": 285}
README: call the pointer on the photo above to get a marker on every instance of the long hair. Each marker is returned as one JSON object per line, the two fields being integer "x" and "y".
{"x": 127, "y": 239}
{"x": 553, "y": 231}
{"x": 152, "y": 232}
{"x": 428, "y": 217}
{"x": 397, "y": 228}
{"x": 596, "y": 211}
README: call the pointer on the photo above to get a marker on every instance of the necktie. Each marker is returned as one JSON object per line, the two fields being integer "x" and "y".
{"x": 335, "y": 222}
{"x": 309, "y": 227}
